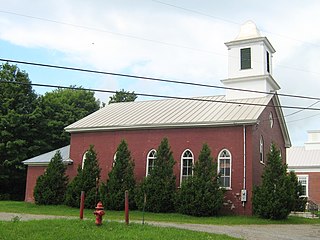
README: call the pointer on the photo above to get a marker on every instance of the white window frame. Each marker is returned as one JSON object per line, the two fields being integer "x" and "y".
{"x": 306, "y": 177}
{"x": 225, "y": 158}
{"x": 261, "y": 150}
{"x": 154, "y": 157}
{"x": 186, "y": 158}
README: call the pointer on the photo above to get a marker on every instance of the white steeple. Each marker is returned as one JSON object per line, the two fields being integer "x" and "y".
{"x": 249, "y": 64}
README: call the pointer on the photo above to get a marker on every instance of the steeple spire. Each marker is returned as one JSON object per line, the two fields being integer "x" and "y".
{"x": 249, "y": 64}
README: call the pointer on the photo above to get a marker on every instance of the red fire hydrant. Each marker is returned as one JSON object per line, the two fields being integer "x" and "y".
{"x": 99, "y": 213}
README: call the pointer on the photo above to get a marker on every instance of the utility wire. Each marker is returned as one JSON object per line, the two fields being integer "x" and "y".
{"x": 153, "y": 79}
{"x": 311, "y": 105}
{"x": 153, "y": 40}
{"x": 160, "y": 96}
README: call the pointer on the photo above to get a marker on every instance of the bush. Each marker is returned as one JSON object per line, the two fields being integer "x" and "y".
{"x": 200, "y": 194}
{"x": 86, "y": 180}
{"x": 274, "y": 199}
{"x": 121, "y": 178}
{"x": 51, "y": 187}
{"x": 160, "y": 185}
{"x": 299, "y": 203}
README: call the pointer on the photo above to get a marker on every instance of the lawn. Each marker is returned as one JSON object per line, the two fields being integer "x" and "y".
{"x": 76, "y": 229}
{"x": 23, "y": 207}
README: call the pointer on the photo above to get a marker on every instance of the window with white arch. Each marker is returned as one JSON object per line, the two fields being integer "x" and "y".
{"x": 224, "y": 168}
{"x": 187, "y": 160}
{"x": 261, "y": 150}
{"x": 151, "y": 158}
{"x": 114, "y": 159}
{"x": 83, "y": 159}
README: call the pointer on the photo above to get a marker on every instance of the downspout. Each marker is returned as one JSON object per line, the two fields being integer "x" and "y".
{"x": 244, "y": 165}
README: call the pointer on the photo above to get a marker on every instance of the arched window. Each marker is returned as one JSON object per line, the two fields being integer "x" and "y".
{"x": 271, "y": 120}
{"x": 114, "y": 159}
{"x": 186, "y": 165}
{"x": 224, "y": 168}
{"x": 151, "y": 157}
{"x": 83, "y": 159}
{"x": 261, "y": 150}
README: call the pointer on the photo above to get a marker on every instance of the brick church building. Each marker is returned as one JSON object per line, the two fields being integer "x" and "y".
{"x": 239, "y": 127}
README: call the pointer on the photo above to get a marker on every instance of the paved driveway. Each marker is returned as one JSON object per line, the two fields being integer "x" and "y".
{"x": 256, "y": 232}
{"x": 251, "y": 232}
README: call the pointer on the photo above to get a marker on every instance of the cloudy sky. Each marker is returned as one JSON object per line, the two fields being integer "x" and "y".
{"x": 172, "y": 39}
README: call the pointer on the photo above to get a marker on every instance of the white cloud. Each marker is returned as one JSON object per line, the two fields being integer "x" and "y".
{"x": 112, "y": 33}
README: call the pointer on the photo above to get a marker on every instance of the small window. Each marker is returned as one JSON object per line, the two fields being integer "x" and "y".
{"x": 261, "y": 150}
{"x": 304, "y": 181}
{"x": 114, "y": 159}
{"x": 224, "y": 168}
{"x": 83, "y": 159}
{"x": 186, "y": 165}
{"x": 245, "y": 58}
{"x": 268, "y": 61}
{"x": 271, "y": 119}
{"x": 151, "y": 158}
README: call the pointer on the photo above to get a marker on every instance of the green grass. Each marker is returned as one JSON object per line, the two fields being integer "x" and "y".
{"x": 23, "y": 207}
{"x": 76, "y": 229}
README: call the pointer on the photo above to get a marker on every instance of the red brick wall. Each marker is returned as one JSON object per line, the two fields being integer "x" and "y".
{"x": 33, "y": 173}
{"x": 313, "y": 185}
{"x": 140, "y": 142}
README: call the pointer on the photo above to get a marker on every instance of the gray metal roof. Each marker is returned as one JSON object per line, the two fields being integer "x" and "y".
{"x": 44, "y": 159}
{"x": 195, "y": 112}
{"x": 299, "y": 157}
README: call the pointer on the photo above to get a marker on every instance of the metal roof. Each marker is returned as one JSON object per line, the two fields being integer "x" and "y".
{"x": 44, "y": 159}
{"x": 193, "y": 112}
{"x": 300, "y": 157}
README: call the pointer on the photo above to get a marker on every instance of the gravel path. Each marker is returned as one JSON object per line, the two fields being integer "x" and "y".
{"x": 250, "y": 232}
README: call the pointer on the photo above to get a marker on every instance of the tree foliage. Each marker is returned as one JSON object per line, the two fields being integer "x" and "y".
{"x": 200, "y": 194}
{"x": 86, "y": 180}
{"x": 18, "y": 118}
{"x": 60, "y": 108}
{"x": 51, "y": 187}
{"x": 274, "y": 199}
{"x": 160, "y": 185}
{"x": 123, "y": 96}
{"x": 299, "y": 202}
{"x": 121, "y": 178}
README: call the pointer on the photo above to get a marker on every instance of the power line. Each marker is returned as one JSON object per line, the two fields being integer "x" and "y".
{"x": 153, "y": 40}
{"x": 311, "y": 105}
{"x": 159, "y": 96}
{"x": 153, "y": 79}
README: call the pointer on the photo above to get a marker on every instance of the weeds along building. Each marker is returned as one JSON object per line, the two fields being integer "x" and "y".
{"x": 239, "y": 127}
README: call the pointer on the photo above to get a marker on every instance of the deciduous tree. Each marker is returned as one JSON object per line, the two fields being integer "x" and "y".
{"x": 123, "y": 96}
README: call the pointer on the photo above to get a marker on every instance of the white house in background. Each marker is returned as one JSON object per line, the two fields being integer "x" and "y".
{"x": 305, "y": 162}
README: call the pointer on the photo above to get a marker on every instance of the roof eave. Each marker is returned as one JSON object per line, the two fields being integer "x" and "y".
{"x": 161, "y": 126}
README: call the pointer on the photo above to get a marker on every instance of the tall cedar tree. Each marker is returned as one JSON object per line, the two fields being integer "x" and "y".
{"x": 123, "y": 96}
{"x": 86, "y": 180}
{"x": 299, "y": 203}
{"x": 200, "y": 194}
{"x": 18, "y": 136}
{"x": 160, "y": 185}
{"x": 274, "y": 198}
{"x": 51, "y": 187}
{"x": 121, "y": 178}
